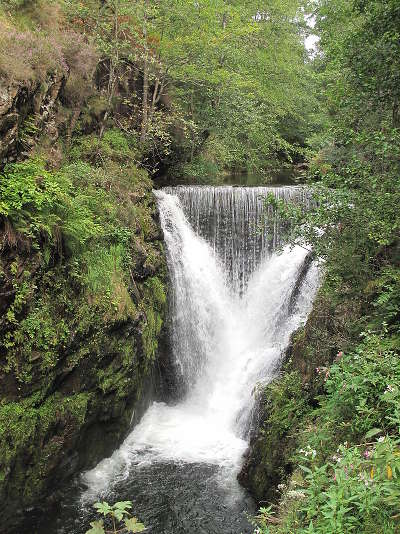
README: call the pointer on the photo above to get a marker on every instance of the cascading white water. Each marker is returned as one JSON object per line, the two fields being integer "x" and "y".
{"x": 232, "y": 316}
{"x": 233, "y": 221}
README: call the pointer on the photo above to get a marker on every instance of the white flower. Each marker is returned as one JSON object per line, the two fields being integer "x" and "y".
{"x": 381, "y": 439}
{"x": 295, "y": 494}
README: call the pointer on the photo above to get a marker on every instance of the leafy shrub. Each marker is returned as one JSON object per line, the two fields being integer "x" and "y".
{"x": 201, "y": 170}
{"x": 117, "y": 513}
{"x": 27, "y": 186}
{"x": 114, "y": 146}
{"x": 387, "y": 302}
{"x": 356, "y": 491}
{"x": 354, "y": 216}
{"x": 361, "y": 392}
{"x": 350, "y": 479}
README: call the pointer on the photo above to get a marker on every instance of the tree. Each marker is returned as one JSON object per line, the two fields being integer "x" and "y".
{"x": 221, "y": 80}
{"x": 354, "y": 224}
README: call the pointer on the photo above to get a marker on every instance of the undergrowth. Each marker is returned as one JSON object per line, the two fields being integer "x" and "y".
{"x": 88, "y": 226}
{"x": 346, "y": 449}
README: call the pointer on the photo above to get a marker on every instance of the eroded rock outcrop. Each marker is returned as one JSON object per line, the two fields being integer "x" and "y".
{"x": 75, "y": 372}
{"x": 78, "y": 339}
{"x": 27, "y": 110}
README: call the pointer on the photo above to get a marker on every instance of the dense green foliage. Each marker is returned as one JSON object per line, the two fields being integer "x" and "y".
{"x": 346, "y": 445}
{"x": 347, "y": 449}
{"x": 206, "y": 88}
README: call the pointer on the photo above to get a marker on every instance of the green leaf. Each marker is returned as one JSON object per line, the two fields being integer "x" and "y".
{"x": 103, "y": 508}
{"x": 373, "y": 432}
{"x": 133, "y": 525}
{"x": 119, "y": 514}
{"x": 123, "y": 505}
{"x": 305, "y": 469}
{"x": 97, "y": 528}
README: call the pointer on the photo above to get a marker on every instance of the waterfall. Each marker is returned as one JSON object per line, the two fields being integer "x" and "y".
{"x": 234, "y": 302}
{"x": 241, "y": 229}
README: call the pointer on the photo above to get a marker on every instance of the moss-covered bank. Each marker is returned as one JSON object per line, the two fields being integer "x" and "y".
{"x": 80, "y": 324}
{"x": 82, "y": 293}
{"x": 82, "y": 268}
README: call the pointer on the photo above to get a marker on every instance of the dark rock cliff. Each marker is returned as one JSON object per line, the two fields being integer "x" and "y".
{"x": 27, "y": 110}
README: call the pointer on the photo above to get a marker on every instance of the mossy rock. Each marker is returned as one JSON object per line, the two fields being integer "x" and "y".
{"x": 293, "y": 395}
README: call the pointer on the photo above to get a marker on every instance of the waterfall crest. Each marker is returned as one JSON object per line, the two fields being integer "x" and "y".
{"x": 241, "y": 229}
{"x": 234, "y": 304}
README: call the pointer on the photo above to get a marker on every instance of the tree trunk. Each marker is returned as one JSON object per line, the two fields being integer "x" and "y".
{"x": 145, "y": 109}
{"x": 145, "y": 103}
{"x": 155, "y": 98}
{"x": 112, "y": 77}
{"x": 396, "y": 117}
{"x": 72, "y": 124}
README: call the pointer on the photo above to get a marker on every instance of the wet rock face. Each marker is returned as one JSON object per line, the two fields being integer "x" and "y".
{"x": 20, "y": 102}
{"x": 294, "y": 394}
{"x": 71, "y": 415}
{"x": 264, "y": 468}
{"x": 75, "y": 414}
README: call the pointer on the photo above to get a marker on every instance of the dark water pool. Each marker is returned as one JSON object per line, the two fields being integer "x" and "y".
{"x": 169, "y": 498}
